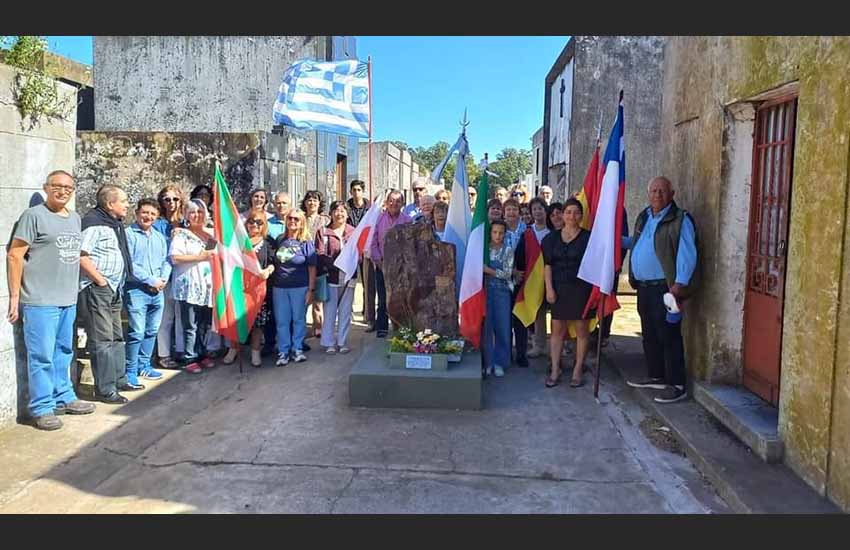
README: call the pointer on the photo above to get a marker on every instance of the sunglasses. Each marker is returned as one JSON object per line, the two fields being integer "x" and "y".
{"x": 170, "y": 199}
{"x": 255, "y": 222}
{"x": 293, "y": 219}
{"x": 517, "y": 194}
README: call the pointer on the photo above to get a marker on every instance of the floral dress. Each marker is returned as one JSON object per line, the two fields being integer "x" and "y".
{"x": 263, "y": 252}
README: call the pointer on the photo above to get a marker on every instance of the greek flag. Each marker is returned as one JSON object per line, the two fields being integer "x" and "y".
{"x": 330, "y": 96}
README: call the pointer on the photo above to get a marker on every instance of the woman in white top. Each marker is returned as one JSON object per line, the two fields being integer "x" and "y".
{"x": 191, "y": 250}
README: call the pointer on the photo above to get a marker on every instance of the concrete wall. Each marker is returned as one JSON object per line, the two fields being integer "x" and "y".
{"x": 26, "y": 157}
{"x": 193, "y": 83}
{"x": 388, "y": 170}
{"x": 705, "y": 81}
{"x": 603, "y": 66}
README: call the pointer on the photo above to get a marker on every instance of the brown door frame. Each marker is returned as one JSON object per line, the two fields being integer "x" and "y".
{"x": 755, "y": 224}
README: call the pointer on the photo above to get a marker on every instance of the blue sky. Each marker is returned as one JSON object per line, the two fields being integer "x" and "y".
{"x": 422, "y": 84}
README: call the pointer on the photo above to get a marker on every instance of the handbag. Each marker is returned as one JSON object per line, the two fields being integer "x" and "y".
{"x": 322, "y": 293}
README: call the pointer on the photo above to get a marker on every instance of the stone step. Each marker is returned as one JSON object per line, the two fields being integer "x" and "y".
{"x": 754, "y": 421}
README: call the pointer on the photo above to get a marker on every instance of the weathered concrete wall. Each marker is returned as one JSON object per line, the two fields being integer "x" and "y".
{"x": 702, "y": 75}
{"x": 143, "y": 162}
{"x": 26, "y": 157}
{"x": 386, "y": 168}
{"x": 193, "y": 83}
{"x": 603, "y": 66}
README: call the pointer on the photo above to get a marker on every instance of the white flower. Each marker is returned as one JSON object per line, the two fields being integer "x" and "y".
{"x": 427, "y": 331}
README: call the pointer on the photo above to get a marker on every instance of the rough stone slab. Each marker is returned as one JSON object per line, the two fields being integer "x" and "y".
{"x": 744, "y": 481}
{"x": 372, "y": 383}
{"x": 748, "y": 417}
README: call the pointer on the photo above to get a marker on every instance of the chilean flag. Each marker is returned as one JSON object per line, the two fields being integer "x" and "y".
{"x": 603, "y": 258}
{"x": 352, "y": 251}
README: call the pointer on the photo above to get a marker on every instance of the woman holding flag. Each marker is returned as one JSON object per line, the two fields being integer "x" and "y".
{"x": 562, "y": 254}
{"x": 256, "y": 224}
{"x": 329, "y": 243}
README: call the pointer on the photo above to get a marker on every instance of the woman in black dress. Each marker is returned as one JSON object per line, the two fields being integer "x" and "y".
{"x": 562, "y": 254}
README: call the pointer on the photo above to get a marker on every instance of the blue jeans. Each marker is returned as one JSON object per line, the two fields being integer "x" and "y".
{"x": 497, "y": 327}
{"x": 144, "y": 314}
{"x": 48, "y": 334}
{"x": 289, "y": 307}
{"x": 196, "y": 324}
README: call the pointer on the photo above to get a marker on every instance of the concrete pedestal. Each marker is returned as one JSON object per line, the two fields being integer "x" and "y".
{"x": 372, "y": 383}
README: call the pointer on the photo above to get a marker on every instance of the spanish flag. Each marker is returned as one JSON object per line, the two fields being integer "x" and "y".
{"x": 588, "y": 196}
{"x": 530, "y": 296}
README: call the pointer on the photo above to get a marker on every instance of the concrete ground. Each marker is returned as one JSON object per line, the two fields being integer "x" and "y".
{"x": 285, "y": 440}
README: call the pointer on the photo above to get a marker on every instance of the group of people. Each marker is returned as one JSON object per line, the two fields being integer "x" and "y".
{"x": 66, "y": 270}
{"x": 63, "y": 269}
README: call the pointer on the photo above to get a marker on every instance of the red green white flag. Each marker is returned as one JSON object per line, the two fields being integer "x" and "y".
{"x": 238, "y": 289}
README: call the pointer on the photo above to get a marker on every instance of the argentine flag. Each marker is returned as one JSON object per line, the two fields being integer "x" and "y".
{"x": 329, "y": 96}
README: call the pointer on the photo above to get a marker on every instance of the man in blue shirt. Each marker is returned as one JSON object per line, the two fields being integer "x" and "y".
{"x": 664, "y": 259}
{"x": 144, "y": 298}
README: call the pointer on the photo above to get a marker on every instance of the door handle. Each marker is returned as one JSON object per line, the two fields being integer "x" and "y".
{"x": 781, "y": 250}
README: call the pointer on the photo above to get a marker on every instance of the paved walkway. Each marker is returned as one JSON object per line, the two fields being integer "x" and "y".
{"x": 285, "y": 440}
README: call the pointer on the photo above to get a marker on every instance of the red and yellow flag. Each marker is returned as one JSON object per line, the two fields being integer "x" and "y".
{"x": 530, "y": 296}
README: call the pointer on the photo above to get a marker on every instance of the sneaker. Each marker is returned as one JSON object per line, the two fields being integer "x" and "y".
{"x": 306, "y": 347}
{"x": 282, "y": 360}
{"x": 653, "y": 383}
{"x": 256, "y": 358}
{"x": 671, "y": 394}
{"x": 498, "y": 371}
{"x": 193, "y": 368}
{"x": 207, "y": 363}
{"x": 47, "y": 422}
{"x": 299, "y": 356}
{"x": 331, "y": 350}
{"x": 168, "y": 363}
{"x": 232, "y": 353}
{"x": 151, "y": 374}
{"x": 344, "y": 349}
{"x": 74, "y": 407}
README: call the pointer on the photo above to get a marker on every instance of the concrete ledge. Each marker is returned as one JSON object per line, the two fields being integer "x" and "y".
{"x": 744, "y": 481}
{"x": 372, "y": 383}
{"x": 752, "y": 420}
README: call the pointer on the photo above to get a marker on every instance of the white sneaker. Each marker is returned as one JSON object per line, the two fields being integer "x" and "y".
{"x": 498, "y": 371}
{"x": 331, "y": 350}
{"x": 282, "y": 359}
{"x": 231, "y": 356}
{"x": 299, "y": 356}
{"x": 344, "y": 349}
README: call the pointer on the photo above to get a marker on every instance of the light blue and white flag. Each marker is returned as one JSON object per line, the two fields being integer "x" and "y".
{"x": 459, "y": 219}
{"x": 329, "y": 96}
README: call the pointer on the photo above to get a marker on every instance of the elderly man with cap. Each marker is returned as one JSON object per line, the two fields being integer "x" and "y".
{"x": 413, "y": 210}
{"x": 663, "y": 270}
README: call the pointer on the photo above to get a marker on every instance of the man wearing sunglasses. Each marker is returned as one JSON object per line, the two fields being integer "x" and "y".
{"x": 412, "y": 210}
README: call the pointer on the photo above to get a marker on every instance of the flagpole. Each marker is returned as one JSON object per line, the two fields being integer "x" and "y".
{"x": 600, "y": 311}
{"x": 369, "y": 71}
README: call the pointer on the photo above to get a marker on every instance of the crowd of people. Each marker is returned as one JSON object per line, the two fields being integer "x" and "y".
{"x": 65, "y": 270}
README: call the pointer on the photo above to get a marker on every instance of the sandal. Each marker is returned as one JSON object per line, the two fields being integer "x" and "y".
{"x": 552, "y": 382}
{"x": 574, "y": 384}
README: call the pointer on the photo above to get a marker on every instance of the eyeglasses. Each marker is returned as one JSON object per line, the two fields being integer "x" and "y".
{"x": 170, "y": 199}
{"x": 255, "y": 222}
{"x": 518, "y": 194}
{"x": 293, "y": 219}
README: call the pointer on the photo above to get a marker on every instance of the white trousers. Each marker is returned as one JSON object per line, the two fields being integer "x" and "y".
{"x": 337, "y": 310}
{"x": 171, "y": 324}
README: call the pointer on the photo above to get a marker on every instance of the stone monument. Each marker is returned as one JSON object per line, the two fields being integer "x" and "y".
{"x": 420, "y": 273}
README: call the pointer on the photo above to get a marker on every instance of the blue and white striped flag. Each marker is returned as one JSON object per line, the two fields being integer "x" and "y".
{"x": 330, "y": 96}
{"x": 459, "y": 219}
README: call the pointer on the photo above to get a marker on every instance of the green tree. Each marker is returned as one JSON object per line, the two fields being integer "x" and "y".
{"x": 511, "y": 165}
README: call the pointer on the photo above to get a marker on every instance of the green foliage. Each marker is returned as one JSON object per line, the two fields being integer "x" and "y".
{"x": 511, "y": 165}
{"x": 35, "y": 91}
{"x": 426, "y": 341}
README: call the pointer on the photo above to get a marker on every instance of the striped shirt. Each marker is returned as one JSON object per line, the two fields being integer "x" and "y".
{"x": 100, "y": 244}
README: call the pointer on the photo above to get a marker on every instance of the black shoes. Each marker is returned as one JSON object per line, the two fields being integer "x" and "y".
{"x": 382, "y": 334}
{"x": 653, "y": 383}
{"x": 672, "y": 394}
{"x": 131, "y": 387}
{"x": 113, "y": 398}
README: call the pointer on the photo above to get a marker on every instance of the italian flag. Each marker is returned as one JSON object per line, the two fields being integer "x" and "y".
{"x": 238, "y": 288}
{"x": 473, "y": 298}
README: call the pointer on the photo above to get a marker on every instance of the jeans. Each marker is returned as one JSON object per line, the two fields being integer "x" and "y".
{"x": 289, "y": 307}
{"x": 196, "y": 324}
{"x": 338, "y": 306}
{"x": 170, "y": 325}
{"x": 48, "y": 334}
{"x": 381, "y": 319}
{"x": 144, "y": 314}
{"x": 497, "y": 327}
{"x": 662, "y": 341}
{"x": 100, "y": 310}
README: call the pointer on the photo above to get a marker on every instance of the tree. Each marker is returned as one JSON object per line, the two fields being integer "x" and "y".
{"x": 511, "y": 165}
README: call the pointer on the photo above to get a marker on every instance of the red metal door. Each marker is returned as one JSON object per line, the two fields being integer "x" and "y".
{"x": 773, "y": 159}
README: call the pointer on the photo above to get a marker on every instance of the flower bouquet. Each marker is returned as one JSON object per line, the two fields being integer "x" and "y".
{"x": 425, "y": 342}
